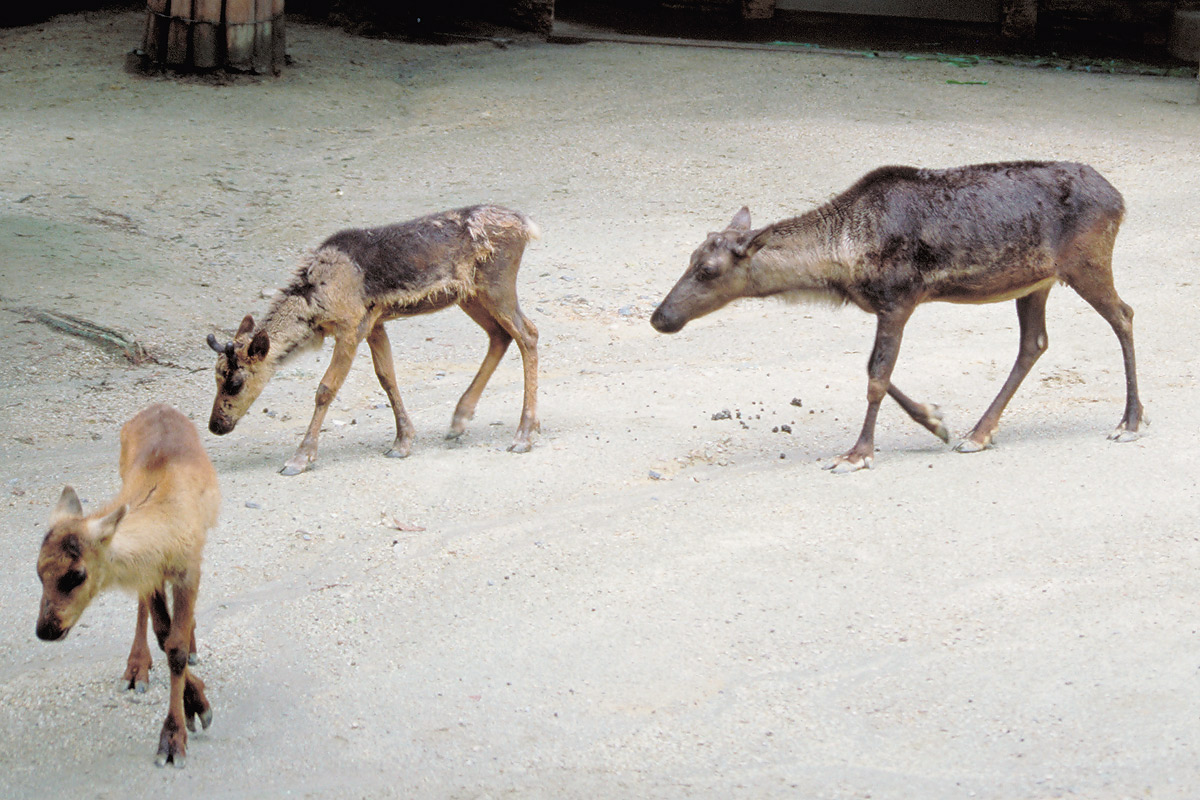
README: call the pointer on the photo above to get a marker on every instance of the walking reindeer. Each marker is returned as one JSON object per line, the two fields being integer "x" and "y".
{"x": 149, "y": 536}
{"x": 902, "y": 236}
{"x": 357, "y": 280}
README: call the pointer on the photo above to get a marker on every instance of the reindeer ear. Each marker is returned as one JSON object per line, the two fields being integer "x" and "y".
{"x": 741, "y": 220}
{"x": 747, "y": 244}
{"x": 246, "y": 326}
{"x": 259, "y": 345}
{"x": 102, "y": 530}
{"x": 68, "y": 506}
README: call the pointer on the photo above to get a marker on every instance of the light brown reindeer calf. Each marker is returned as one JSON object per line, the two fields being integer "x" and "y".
{"x": 357, "y": 280}
{"x": 901, "y": 237}
{"x": 150, "y": 535}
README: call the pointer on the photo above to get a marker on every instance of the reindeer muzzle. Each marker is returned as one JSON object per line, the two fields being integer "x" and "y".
{"x": 666, "y": 323}
{"x": 50, "y": 630}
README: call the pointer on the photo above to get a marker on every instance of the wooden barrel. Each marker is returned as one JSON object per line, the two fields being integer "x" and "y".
{"x": 203, "y": 35}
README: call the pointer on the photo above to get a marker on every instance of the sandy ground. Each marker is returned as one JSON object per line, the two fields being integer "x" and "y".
{"x": 652, "y": 603}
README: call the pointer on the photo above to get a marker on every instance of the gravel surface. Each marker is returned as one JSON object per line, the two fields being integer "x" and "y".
{"x": 667, "y": 597}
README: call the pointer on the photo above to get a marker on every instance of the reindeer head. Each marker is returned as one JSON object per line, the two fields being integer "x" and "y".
{"x": 69, "y": 564}
{"x": 718, "y": 273}
{"x": 242, "y": 372}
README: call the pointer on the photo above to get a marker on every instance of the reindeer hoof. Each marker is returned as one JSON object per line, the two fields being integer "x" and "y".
{"x": 453, "y": 434}
{"x": 520, "y": 447}
{"x": 843, "y": 464}
{"x": 292, "y": 469}
{"x": 971, "y": 446}
{"x": 206, "y": 718}
{"x": 140, "y": 686}
{"x": 193, "y": 659}
{"x": 178, "y": 759}
{"x": 1123, "y": 435}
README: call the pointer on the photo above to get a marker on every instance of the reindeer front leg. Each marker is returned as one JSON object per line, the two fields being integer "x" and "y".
{"x": 343, "y": 355}
{"x": 888, "y": 333}
{"x": 187, "y": 699}
{"x": 137, "y": 667}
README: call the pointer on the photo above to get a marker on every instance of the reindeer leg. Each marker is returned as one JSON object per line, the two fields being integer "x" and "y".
{"x": 928, "y": 415}
{"x": 335, "y": 375}
{"x": 1031, "y": 314}
{"x": 137, "y": 668}
{"x": 1097, "y": 289}
{"x": 172, "y": 742}
{"x": 160, "y": 615}
{"x": 526, "y": 335}
{"x": 381, "y": 357}
{"x": 518, "y": 326}
{"x": 498, "y": 341}
{"x": 889, "y": 331}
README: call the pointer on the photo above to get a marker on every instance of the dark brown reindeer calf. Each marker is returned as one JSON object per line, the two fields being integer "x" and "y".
{"x": 359, "y": 279}
{"x": 150, "y": 535}
{"x": 902, "y": 236}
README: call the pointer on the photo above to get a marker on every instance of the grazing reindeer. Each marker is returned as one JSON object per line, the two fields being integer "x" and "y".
{"x": 151, "y": 534}
{"x": 357, "y": 280}
{"x": 900, "y": 237}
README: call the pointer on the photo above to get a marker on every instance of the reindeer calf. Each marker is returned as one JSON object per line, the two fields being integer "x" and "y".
{"x": 151, "y": 534}
{"x": 901, "y": 237}
{"x": 357, "y": 280}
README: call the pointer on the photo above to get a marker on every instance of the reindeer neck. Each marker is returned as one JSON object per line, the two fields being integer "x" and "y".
{"x": 145, "y": 547}
{"x": 800, "y": 256}
{"x": 289, "y": 325}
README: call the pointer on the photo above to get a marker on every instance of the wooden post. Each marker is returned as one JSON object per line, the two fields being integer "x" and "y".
{"x": 243, "y": 35}
{"x": 179, "y": 32}
{"x": 239, "y": 34}
{"x": 154, "y": 41}
{"x": 278, "y": 37}
{"x": 206, "y": 44}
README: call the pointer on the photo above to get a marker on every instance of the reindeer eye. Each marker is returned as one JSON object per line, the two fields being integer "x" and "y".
{"x": 71, "y": 580}
{"x": 706, "y": 272}
{"x": 234, "y": 384}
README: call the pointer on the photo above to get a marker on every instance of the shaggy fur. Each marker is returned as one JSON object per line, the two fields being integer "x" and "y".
{"x": 902, "y": 236}
{"x": 358, "y": 279}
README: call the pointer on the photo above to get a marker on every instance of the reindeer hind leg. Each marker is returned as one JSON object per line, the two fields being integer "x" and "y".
{"x": 497, "y": 298}
{"x": 498, "y": 341}
{"x": 1031, "y": 314}
{"x": 1095, "y": 285}
{"x": 927, "y": 415}
{"x": 160, "y": 616}
{"x": 385, "y": 371}
{"x": 526, "y": 335}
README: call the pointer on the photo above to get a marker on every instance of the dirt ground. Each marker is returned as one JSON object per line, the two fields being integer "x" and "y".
{"x": 653, "y": 602}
